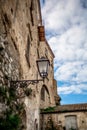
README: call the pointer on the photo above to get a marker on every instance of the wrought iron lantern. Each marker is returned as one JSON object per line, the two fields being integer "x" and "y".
{"x": 42, "y": 65}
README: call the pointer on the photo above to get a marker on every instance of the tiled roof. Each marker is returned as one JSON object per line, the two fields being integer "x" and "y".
{"x": 66, "y": 108}
{"x": 71, "y": 107}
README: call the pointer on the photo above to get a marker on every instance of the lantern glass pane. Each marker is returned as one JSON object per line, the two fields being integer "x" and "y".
{"x": 43, "y": 67}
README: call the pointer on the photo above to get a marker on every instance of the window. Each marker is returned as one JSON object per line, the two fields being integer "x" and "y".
{"x": 30, "y": 34}
{"x": 41, "y": 33}
{"x": 46, "y": 52}
{"x": 43, "y": 94}
{"x": 31, "y": 12}
{"x": 28, "y": 51}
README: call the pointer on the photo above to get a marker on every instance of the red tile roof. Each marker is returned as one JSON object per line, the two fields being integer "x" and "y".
{"x": 71, "y": 107}
{"x": 66, "y": 108}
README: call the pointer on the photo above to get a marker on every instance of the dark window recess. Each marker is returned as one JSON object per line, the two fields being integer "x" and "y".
{"x": 38, "y": 53}
{"x": 36, "y": 124}
{"x": 11, "y": 10}
{"x": 7, "y": 20}
{"x": 27, "y": 51}
{"x": 15, "y": 46}
{"x": 28, "y": 25}
{"x": 43, "y": 94}
{"x": 41, "y": 33}
{"x": 46, "y": 52}
{"x": 31, "y": 12}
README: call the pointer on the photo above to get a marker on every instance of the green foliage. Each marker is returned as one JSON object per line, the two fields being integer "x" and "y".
{"x": 72, "y": 128}
{"x": 28, "y": 91}
{"x": 10, "y": 119}
{"x": 2, "y": 90}
{"x": 12, "y": 93}
{"x": 49, "y": 109}
{"x": 3, "y": 93}
{"x": 19, "y": 106}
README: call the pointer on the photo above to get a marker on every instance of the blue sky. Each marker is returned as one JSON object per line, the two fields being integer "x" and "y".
{"x": 65, "y": 24}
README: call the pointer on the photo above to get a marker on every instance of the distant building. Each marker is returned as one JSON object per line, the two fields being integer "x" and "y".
{"x": 72, "y": 116}
{"x": 68, "y": 117}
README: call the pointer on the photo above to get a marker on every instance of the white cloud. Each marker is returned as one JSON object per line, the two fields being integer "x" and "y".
{"x": 66, "y": 28}
{"x": 72, "y": 72}
{"x": 79, "y": 89}
{"x": 60, "y": 14}
{"x": 70, "y": 89}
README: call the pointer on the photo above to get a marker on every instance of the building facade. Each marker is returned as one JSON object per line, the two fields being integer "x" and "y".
{"x": 73, "y": 116}
{"x": 68, "y": 117}
{"x": 22, "y": 42}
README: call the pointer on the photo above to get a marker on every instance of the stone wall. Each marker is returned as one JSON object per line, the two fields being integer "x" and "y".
{"x": 19, "y": 49}
{"x": 9, "y": 57}
{"x": 81, "y": 119}
{"x": 59, "y": 120}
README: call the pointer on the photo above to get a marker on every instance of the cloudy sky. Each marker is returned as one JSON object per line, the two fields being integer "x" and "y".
{"x": 66, "y": 31}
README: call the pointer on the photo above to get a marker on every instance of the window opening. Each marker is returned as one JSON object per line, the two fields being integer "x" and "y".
{"x": 43, "y": 94}
{"x": 28, "y": 51}
{"x": 31, "y": 12}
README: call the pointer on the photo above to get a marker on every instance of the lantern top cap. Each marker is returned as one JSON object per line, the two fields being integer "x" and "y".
{"x": 44, "y": 59}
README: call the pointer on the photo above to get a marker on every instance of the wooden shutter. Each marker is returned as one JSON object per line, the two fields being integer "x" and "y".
{"x": 41, "y": 33}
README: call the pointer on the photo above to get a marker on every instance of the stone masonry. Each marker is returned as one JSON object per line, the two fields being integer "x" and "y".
{"x": 20, "y": 47}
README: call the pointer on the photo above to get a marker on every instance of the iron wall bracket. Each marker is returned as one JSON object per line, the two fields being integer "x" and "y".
{"x": 24, "y": 83}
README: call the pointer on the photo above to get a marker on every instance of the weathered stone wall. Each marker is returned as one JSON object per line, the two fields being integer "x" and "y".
{"x": 81, "y": 119}
{"x": 9, "y": 57}
{"x": 44, "y": 51}
{"x": 58, "y": 120}
{"x": 19, "y": 49}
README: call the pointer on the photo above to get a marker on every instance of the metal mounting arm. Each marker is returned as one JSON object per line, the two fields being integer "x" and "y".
{"x": 24, "y": 83}
{"x": 42, "y": 65}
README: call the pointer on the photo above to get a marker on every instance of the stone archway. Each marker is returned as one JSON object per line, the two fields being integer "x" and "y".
{"x": 44, "y": 97}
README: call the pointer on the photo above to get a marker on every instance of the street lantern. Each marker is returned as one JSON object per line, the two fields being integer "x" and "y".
{"x": 43, "y": 66}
